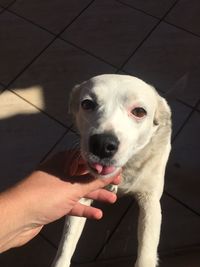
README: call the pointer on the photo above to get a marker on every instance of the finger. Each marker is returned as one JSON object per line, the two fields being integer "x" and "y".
{"x": 98, "y": 183}
{"x": 89, "y": 212}
{"x": 102, "y": 195}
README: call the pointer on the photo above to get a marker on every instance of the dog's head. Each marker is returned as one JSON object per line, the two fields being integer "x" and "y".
{"x": 116, "y": 115}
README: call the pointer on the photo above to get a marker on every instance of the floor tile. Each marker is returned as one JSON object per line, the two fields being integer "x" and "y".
{"x": 186, "y": 15}
{"x": 5, "y": 3}
{"x": 90, "y": 248}
{"x": 57, "y": 70}
{"x": 179, "y": 227}
{"x": 185, "y": 258}
{"x": 26, "y": 135}
{"x": 20, "y": 43}
{"x": 180, "y": 113}
{"x": 183, "y": 170}
{"x": 179, "y": 230}
{"x": 36, "y": 253}
{"x": 113, "y": 30}
{"x": 45, "y": 13}
{"x": 169, "y": 60}
{"x": 154, "y": 7}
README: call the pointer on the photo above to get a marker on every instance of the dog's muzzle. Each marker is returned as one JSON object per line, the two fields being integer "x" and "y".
{"x": 103, "y": 145}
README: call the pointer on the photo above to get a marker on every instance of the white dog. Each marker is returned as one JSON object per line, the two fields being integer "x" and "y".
{"x": 124, "y": 124}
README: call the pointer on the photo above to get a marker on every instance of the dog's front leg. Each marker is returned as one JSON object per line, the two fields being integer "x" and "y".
{"x": 148, "y": 229}
{"x": 72, "y": 231}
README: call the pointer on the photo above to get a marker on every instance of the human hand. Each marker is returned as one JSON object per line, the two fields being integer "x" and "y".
{"x": 47, "y": 195}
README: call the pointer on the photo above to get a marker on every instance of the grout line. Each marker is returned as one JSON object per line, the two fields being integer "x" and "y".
{"x": 80, "y": 13}
{"x": 182, "y": 203}
{"x": 5, "y": 8}
{"x": 56, "y": 143}
{"x": 89, "y": 53}
{"x": 55, "y": 36}
{"x": 114, "y": 230}
{"x": 48, "y": 240}
{"x": 40, "y": 110}
{"x": 30, "y": 21}
{"x": 147, "y": 36}
{"x": 186, "y": 120}
{"x": 138, "y": 9}
{"x": 181, "y": 28}
{"x": 30, "y": 63}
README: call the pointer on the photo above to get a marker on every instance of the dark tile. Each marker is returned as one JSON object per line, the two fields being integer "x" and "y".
{"x": 36, "y": 253}
{"x": 154, "y": 7}
{"x": 110, "y": 30}
{"x": 180, "y": 113}
{"x": 186, "y": 15}
{"x": 169, "y": 60}
{"x": 183, "y": 170}
{"x": 20, "y": 43}
{"x": 53, "y": 232}
{"x": 6, "y": 3}
{"x": 56, "y": 71}
{"x": 179, "y": 227}
{"x": 26, "y": 135}
{"x": 53, "y": 15}
{"x": 179, "y": 230}
{"x": 1, "y": 88}
{"x": 90, "y": 248}
{"x": 184, "y": 258}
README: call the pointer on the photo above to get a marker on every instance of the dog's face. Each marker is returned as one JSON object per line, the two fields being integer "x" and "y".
{"x": 116, "y": 115}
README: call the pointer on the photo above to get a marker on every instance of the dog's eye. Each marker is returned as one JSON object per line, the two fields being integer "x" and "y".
{"x": 88, "y": 104}
{"x": 139, "y": 112}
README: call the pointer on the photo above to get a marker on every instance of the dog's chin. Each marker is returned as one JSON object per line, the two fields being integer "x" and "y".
{"x": 100, "y": 171}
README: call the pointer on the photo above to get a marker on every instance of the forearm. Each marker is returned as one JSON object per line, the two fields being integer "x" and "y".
{"x": 13, "y": 220}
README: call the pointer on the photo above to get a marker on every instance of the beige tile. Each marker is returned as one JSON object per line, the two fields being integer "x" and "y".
{"x": 26, "y": 135}
{"x": 53, "y": 15}
{"x": 37, "y": 253}
{"x": 56, "y": 71}
{"x": 20, "y": 43}
{"x": 112, "y": 30}
{"x": 186, "y": 15}
{"x": 169, "y": 61}
{"x": 154, "y": 7}
{"x": 183, "y": 170}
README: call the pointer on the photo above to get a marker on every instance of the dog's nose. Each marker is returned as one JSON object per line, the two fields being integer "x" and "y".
{"x": 103, "y": 145}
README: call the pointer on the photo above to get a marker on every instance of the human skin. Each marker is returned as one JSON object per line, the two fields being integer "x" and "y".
{"x": 47, "y": 194}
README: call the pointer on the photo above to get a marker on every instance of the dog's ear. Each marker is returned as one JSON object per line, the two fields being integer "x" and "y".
{"x": 163, "y": 113}
{"x": 74, "y": 99}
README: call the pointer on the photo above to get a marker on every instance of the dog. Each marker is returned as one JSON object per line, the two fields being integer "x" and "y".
{"x": 124, "y": 124}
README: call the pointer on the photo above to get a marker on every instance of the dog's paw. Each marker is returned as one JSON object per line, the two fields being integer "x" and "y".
{"x": 112, "y": 188}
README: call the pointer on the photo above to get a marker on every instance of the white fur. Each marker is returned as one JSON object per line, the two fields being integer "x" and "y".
{"x": 144, "y": 146}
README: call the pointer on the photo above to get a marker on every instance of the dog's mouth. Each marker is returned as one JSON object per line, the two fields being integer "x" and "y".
{"x": 101, "y": 169}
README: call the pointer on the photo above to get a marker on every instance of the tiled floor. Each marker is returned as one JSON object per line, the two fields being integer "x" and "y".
{"x": 48, "y": 46}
